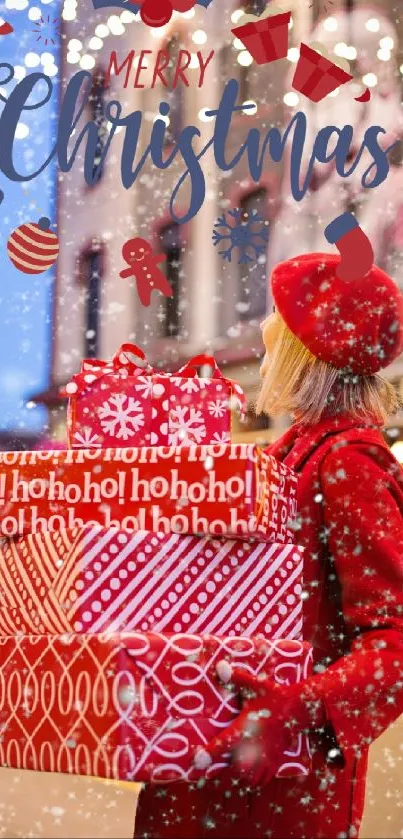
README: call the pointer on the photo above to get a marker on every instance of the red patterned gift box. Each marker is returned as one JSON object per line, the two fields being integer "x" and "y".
{"x": 265, "y": 37}
{"x": 316, "y": 76}
{"x": 96, "y": 580}
{"x": 237, "y": 490}
{"x": 130, "y": 706}
{"x": 118, "y": 403}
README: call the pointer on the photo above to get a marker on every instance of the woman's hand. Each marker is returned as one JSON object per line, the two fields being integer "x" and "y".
{"x": 272, "y": 716}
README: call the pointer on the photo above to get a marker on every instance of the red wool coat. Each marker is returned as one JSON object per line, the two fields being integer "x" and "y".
{"x": 351, "y": 525}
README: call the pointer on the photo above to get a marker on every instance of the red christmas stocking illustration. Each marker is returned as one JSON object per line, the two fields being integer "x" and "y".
{"x": 357, "y": 255}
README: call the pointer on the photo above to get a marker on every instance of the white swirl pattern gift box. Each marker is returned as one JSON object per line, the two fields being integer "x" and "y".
{"x": 94, "y": 580}
{"x": 130, "y": 706}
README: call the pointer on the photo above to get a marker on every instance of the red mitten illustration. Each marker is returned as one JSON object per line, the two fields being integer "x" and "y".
{"x": 357, "y": 255}
{"x": 143, "y": 266}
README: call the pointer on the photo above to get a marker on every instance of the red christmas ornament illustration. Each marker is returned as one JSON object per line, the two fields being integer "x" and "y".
{"x": 143, "y": 265}
{"x": 33, "y": 248}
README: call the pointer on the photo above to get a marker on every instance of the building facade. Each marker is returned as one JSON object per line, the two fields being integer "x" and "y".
{"x": 217, "y": 305}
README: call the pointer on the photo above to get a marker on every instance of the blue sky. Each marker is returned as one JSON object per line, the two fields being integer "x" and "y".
{"x": 26, "y": 299}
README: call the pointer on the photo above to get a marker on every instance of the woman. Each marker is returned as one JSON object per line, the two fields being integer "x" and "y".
{"x": 325, "y": 344}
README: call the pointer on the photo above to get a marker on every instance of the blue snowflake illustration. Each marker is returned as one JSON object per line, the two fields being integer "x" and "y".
{"x": 245, "y": 231}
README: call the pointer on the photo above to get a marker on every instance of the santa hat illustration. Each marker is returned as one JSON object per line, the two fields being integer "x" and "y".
{"x": 344, "y": 310}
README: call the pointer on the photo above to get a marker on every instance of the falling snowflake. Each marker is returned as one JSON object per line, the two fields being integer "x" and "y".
{"x": 186, "y": 426}
{"x": 87, "y": 439}
{"x": 247, "y": 232}
{"x": 121, "y": 416}
{"x": 217, "y": 408}
{"x": 47, "y": 30}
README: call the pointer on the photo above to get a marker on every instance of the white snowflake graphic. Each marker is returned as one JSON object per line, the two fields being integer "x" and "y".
{"x": 186, "y": 426}
{"x": 144, "y": 384}
{"x": 121, "y": 416}
{"x": 192, "y": 385}
{"x": 221, "y": 437}
{"x": 217, "y": 408}
{"x": 87, "y": 439}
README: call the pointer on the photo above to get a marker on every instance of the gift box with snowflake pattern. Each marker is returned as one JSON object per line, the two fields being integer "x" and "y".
{"x": 131, "y": 706}
{"x": 96, "y": 579}
{"x": 120, "y": 404}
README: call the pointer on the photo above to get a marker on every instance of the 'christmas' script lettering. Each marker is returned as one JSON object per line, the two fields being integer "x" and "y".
{"x": 254, "y": 148}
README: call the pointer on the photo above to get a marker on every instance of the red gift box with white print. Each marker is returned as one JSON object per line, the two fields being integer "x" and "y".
{"x": 96, "y": 580}
{"x": 234, "y": 490}
{"x": 119, "y": 403}
{"x": 265, "y": 37}
{"x": 130, "y": 706}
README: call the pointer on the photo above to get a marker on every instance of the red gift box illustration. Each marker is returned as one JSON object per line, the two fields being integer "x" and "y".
{"x": 316, "y": 75}
{"x": 131, "y": 706}
{"x": 265, "y": 37}
{"x": 235, "y": 490}
{"x": 95, "y": 580}
{"x": 119, "y": 403}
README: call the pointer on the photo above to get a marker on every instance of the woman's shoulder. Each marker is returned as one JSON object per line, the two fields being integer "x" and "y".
{"x": 364, "y": 459}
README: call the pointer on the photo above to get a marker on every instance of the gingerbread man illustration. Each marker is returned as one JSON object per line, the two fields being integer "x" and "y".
{"x": 143, "y": 265}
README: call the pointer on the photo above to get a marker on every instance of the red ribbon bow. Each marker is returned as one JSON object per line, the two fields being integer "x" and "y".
{"x": 123, "y": 365}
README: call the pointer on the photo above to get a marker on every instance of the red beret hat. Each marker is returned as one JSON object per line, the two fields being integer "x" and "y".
{"x": 354, "y": 325}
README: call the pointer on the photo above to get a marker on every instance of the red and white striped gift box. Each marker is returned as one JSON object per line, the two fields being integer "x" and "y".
{"x": 93, "y": 580}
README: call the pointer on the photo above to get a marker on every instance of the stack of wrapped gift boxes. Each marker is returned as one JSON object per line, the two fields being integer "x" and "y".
{"x": 130, "y": 565}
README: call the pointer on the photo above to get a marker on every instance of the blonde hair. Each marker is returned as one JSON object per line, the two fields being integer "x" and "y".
{"x": 295, "y": 382}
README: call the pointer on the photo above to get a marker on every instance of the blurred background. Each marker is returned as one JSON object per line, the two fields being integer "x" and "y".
{"x": 82, "y": 308}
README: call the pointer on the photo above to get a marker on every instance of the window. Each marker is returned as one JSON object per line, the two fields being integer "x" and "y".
{"x": 90, "y": 275}
{"x": 171, "y": 245}
{"x": 244, "y": 83}
{"x": 226, "y": 58}
{"x": 253, "y": 285}
{"x": 96, "y": 103}
{"x": 254, "y": 7}
{"x": 174, "y": 96}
